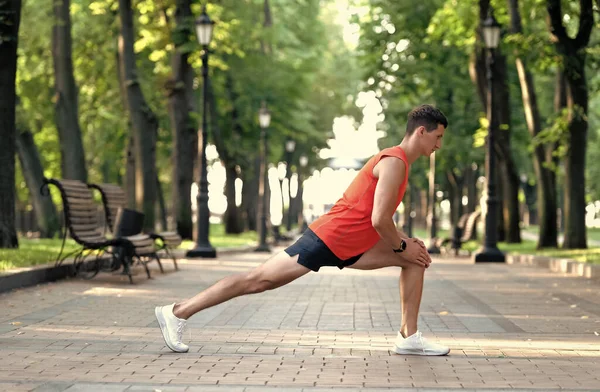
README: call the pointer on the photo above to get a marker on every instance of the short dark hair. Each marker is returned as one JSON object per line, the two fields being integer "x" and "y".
{"x": 426, "y": 116}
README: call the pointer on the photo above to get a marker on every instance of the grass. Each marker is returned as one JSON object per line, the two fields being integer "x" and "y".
{"x": 528, "y": 247}
{"x": 33, "y": 252}
{"x": 590, "y": 255}
{"x": 593, "y": 233}
{"x": 423, "y": 234}
{"x": 218, "y": 238}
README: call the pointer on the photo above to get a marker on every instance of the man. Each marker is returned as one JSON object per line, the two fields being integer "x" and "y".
{"x": 358, "y": 232}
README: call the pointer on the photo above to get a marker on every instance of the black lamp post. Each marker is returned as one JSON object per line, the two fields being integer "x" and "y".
{"x": 264, "y": 119}
{"x": 490, "y": 252}
{"x": 432, "y": 248}
{"x": 203, "y": 248}
{"x": 290, "y": 146}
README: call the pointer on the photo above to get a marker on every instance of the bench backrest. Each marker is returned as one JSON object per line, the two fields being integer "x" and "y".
{"x": 113, "y": 198}
{"x": 81, "y": 213}
{"x": 470, "y": 226}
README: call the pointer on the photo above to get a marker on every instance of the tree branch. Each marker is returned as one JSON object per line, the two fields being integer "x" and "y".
{"x": 557, "y": 29}
{"x": 516, "y": 26}
{"x": 586, "y": 23}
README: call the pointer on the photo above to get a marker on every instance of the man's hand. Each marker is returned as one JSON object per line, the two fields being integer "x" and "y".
{"x": 416, "y": 252}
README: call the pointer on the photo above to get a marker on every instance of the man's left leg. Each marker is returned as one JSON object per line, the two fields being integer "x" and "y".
{"x": 411, "y": 281}
{"x": 409, "y": 339}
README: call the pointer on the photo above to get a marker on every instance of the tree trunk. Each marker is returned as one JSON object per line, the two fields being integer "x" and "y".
{"x": 456, "y": 187}
{"x": 66, "y": 104}
{"x": 471, "y": 176}
{"x": 129, "y": 183}
{"x": 573, "y": 54}
{"x": 143, "y": 121}
{"x": 501, "y": 228}
{"x": 546, "y": 189}
{"x": 10, "y": 14}
{"x": 31, "y": 165}
{"x": 162, "y": 208}
{"x": 233, "y": 221}
{"x": 552, "y": 160}
{"x": 423, "y": 203}
{"x": 510, "y": 204}
{"x": 299, "y": 202}
{"x": 250, "y": 195}
{"x": 508, "y": 173}
{"x": 181, "y": 106}
{"x": 130, "y": 174}
{"x": 575, "y": 229}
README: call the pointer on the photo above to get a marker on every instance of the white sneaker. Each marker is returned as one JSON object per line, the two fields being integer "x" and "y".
{"x": 416, "y": 344}
{"x": 172, "y": 328}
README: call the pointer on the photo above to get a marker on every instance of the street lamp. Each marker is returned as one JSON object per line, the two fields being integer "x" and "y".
{"x": 490, "y": 252}
{"x": 290, "y": 146}
{"x": 264, "y": 119}
{"x": 203, "y": 248}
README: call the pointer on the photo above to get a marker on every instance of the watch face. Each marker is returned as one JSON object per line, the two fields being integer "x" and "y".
{"x": 403, "y": 245}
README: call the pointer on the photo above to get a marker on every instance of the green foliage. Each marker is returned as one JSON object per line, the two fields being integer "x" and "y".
{"x": 408, "y": 53}
{"x": 306, "y": 77}
{"x": 412, "y": 58}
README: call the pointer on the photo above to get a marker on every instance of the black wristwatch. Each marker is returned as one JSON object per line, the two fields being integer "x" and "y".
{"x": 402, "y": 247}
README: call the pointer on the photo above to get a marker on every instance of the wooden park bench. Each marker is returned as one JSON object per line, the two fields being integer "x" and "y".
{"x": 464, "y": 231}
{"x": 81, "y": 222}
{"x": 113, "y": 198}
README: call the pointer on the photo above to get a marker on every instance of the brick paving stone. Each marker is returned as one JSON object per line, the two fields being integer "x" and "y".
{"x": 507, "y": 326}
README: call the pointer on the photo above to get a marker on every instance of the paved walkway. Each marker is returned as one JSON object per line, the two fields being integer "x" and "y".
{"x": 509, "y": 327}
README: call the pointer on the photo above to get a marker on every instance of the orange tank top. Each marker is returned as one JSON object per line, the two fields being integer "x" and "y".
{"x": 346, "y": 229}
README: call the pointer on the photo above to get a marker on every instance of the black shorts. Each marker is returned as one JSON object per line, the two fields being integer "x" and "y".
{"x": 314, "y": 254}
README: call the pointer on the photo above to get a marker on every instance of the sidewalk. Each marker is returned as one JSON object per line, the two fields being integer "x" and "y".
{"x": 509, "y": 327}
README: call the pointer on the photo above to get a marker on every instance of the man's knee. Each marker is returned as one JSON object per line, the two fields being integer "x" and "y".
{"x": 256, "y": 283}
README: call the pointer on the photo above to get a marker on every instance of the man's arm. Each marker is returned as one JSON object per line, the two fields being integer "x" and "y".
{"x": 391, "y": 172}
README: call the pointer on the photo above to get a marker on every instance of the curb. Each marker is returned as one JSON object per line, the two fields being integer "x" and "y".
{"x": 565, "y": 266}
{"x": 26, "y": 277}
{"x": 45, "y": 273}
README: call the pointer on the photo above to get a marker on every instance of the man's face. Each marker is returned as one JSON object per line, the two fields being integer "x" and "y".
{"x": 431, "y": 141}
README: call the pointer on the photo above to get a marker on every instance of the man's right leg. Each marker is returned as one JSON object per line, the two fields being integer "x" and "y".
{"x": 275, "y": 272}
{"x": 409, "y": 340}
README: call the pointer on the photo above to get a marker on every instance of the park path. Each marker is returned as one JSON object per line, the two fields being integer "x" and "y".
{"x": 509, "y": 327}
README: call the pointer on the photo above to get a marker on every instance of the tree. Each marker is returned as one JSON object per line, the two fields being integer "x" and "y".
{"x": 31, "y": 165}
{"x": 10, "y": 17}
{"x": 181, "y": 108}
{"x": 65, "y": 99}
{"x": 143, "y": 121}
{"x": 546, "y": 178}
{"x": 573, "y": 56}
